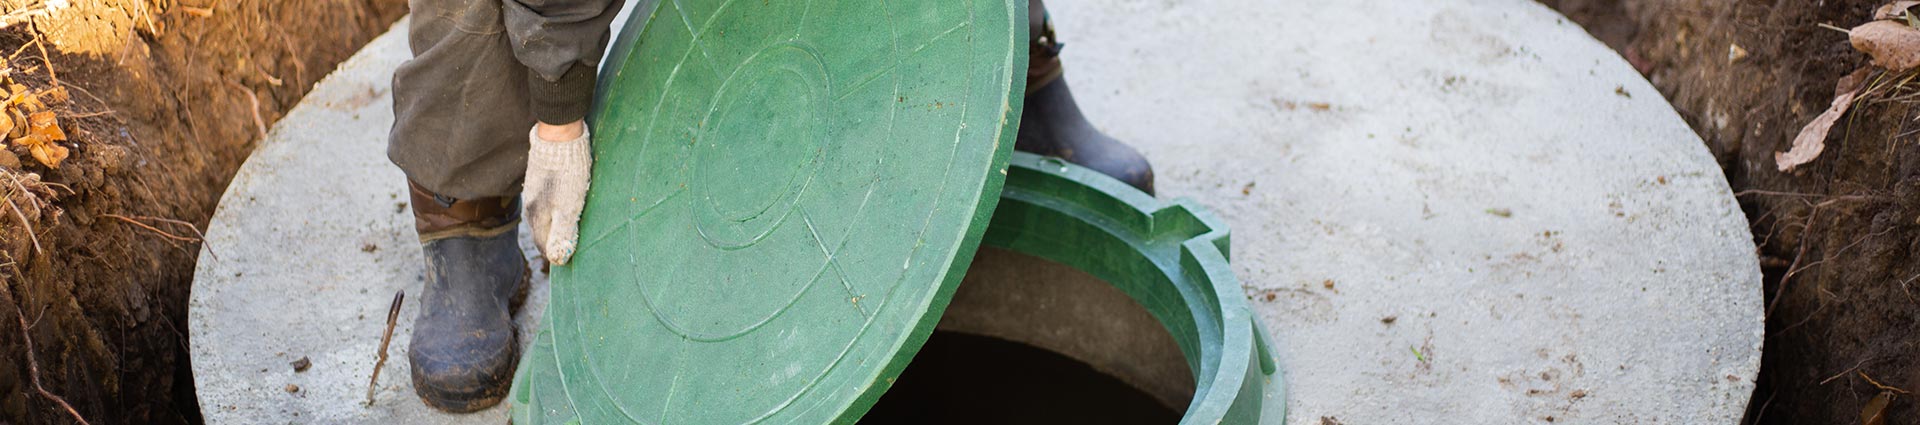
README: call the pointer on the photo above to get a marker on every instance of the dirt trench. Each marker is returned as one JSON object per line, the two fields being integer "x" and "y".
{"x": 1839, "y": 239}
{"x": 163, "y": 100}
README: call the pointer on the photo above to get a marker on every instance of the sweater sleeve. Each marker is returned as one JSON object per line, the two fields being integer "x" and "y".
{"x": 561, "y": 43}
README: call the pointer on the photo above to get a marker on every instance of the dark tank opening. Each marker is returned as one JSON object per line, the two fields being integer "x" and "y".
{"x": 970, "y": 379}
{"x": 1030, "y": 341}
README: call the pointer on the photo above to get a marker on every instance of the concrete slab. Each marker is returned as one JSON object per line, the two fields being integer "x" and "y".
{"x": 313, "y": 238}
{"x": 1444, "y": 212}
{"x": 1477, "y": 181}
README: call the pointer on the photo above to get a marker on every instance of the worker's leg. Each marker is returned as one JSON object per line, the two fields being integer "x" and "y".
{"x": 1052, "y": 123}
{"x": 461, "y": 112}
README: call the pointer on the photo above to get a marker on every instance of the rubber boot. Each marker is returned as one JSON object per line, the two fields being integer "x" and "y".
{"x": 464, "y": 345}
{"x": 1052, "y": 124}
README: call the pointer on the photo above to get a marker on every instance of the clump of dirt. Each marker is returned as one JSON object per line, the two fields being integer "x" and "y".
{"x": 1839, "y": 237}
{"x": 165, "y": 100}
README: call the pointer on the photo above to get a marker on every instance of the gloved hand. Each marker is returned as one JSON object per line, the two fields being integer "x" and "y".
{"x": 555, "y": 192}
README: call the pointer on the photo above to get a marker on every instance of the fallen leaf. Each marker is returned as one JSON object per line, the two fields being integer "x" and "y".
{"x": 1894, "y": 10}
{"x": 49, "y": 154}
{"x": 1875, "y": 412}
{"x": 29, "y": 101}
{"x": 43, "y": 130}
{"x": 6, "y": 123}
{"x": 1813, "y": 138}
{"x": 19, "y": 129}
{"x": 1893, "y": 45}
{"x": 1735, "y": 53}
{"x": 45, "y": 125}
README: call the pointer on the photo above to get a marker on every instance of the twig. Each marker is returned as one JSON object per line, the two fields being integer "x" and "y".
{"x": 257, "y": 122}
{"x": 91, "y": 114}
{"x": 17, "y": 52}
{"x": 23, "y": 216}
{"x": 52, "y": 77}
{"x": 1843, "y": 373}
{"x": 271, "y": 80}
{"x": 1831, "y": 27}
{"x": 33, "y": 363}
{"x": 1762, "y": 413}
{"x": 1786, "y": 278}
{"x": 200, "y": 238}
{"x": 393, "y": 317}
{"x": 1904, "y": 283}
{"x": 90, "y": 95}
{"x": 1843, "y": 250}
{"x": 162, "y": 233}
{"x": 1812, "y": 195}
{"x": 196, "y": 239}
{"x": 1877, "y": 384}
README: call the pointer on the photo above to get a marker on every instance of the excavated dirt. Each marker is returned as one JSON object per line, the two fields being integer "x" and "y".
{"x": 1839, "y": 238}
{"x": 167, "y": 99}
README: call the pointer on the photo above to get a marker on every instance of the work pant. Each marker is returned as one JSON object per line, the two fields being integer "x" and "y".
{"x": 483, "y": 71}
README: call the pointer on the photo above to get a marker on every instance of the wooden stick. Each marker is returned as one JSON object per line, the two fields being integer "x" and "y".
{"x": 393, "y": 317}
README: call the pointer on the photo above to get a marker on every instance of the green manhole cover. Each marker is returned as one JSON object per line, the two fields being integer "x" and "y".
{"x": 1169, "y": 257}
{"x": 785, "y": 196}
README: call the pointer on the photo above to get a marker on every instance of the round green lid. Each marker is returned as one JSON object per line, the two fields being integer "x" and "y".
{"x": 785, "y": 195}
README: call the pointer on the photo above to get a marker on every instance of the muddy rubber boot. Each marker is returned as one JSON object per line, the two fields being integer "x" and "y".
{"x": 1052, "y": 124}
{"x": 464, "y": 345}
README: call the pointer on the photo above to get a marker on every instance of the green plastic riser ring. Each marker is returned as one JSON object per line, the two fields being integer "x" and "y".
{"x": 1171, "y": 258}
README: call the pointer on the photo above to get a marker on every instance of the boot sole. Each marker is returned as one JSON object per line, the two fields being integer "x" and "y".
{"x": 470, "y": 399}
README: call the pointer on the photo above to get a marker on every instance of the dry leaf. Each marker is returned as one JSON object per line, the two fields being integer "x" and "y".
{"x": 45, "y": 125}
{"x": 6, "y": 123}
{"x": 20, "y": 121}
{"x": 49, "y": 154}
{"x": 1813, "y": 138}
{"x": 43, "y": 130}
{"x": 29, "y": 102}
{"x": 1894, "y": 10}
{"x": 1875, "y": 412}
{"x": 1893, "y": 45}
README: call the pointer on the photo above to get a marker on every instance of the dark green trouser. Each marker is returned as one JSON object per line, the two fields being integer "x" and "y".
{"x": 482, "y": 72}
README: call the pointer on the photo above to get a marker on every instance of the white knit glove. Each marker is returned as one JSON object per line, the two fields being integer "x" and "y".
{"x": 555, "y": 191}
